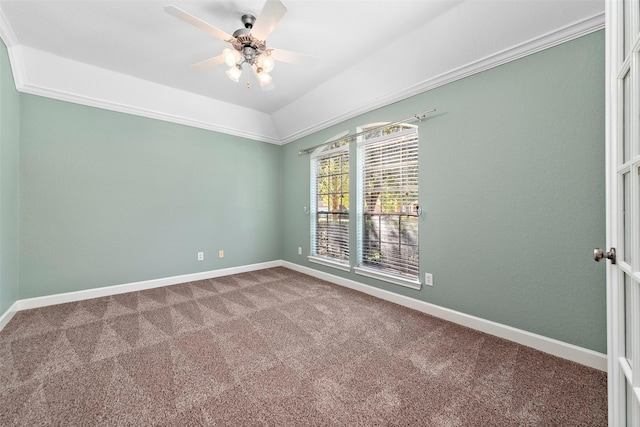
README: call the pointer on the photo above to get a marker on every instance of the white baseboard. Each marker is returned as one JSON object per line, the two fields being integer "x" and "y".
{"x": 548, "y": 345}
{"x": 7, "y": 315}
{"x": 44, "y": 301}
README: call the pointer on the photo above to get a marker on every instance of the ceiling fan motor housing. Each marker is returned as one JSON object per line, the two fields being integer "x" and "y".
{"x": 248, "y": 21}
{"x": 249, "y": 46}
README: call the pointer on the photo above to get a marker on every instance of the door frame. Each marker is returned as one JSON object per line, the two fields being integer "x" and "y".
{"x": 615, "y": 287}
{"x": 611, "y": 128}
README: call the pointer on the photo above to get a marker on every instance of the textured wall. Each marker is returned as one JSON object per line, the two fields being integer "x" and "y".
{"x": 109, "y": 198}
{"x": 9, "y": 185}
{"x": 512, "y": 187}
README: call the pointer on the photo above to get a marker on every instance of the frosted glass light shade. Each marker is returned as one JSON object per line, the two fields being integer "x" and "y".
{"x": 263, "y": 77}
{"x": 266, "y": 62}
{"x": 231, "y": 56}
{"x": 234, "y": 73}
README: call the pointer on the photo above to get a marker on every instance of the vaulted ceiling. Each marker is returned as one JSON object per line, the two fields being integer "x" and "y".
{"x": 133, "y": 57}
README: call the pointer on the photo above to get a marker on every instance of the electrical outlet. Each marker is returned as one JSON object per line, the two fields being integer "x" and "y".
{"x": 200, "y": 256}
{"x": 428, "y": 279}
{"x": 299, "y": 250}
{"x": 221, "y": 253}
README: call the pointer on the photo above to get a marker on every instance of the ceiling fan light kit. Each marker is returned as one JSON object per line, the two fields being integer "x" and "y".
{"x": 234, "y": 73}
{"x": 248, "y": 44}
{"x": 247, "y": 50}
{"x": 231, "y": 57}
{"x": 264, "y": 77}
{"x": 266, "y": 62}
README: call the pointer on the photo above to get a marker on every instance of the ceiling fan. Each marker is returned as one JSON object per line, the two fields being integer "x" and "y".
{"x": 248, "y": 44}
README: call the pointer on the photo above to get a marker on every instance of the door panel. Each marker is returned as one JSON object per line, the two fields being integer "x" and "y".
{"x": 623, "y": 210}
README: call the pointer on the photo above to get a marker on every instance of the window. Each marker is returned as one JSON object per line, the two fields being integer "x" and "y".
{"x": 388, "y": 210}
{"x": 330, "y": 205}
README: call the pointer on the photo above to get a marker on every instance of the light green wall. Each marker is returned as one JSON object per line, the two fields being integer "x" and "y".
{"x": 110, "y": 198}
{"x": 9, "y": 185}
{"x": 512, "y": 187}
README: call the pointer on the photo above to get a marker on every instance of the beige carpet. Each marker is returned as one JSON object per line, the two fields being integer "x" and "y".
{"x": 275, "y": 347}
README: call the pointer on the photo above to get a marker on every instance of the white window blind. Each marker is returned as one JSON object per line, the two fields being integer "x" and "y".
{"x": 388, "y": 205}
{"x": 330, "y": 205}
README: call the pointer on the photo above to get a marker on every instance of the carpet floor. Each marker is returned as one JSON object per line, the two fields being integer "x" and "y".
{"x": 276, "y": 347}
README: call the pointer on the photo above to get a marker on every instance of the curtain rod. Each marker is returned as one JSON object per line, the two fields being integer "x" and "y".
{"x": 355, "y": 135}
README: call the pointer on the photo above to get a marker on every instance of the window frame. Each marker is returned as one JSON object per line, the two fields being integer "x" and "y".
{"x": 339, "y": 148}
{"x": 384, "y": 274}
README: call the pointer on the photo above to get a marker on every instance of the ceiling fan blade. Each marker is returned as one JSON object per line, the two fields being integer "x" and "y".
{"x": 197, "y": 22}
{"x": 294, "y": 57}
{"x": 272, "y": 13}
{"x": 266, "y": 87}
{"x": 208, "y": 63}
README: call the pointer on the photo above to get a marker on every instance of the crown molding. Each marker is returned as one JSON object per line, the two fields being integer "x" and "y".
{"x": 13, "y": 49}
{"x": 6, "y": 31}
{"x": 40, "y": 73}
{"x": 551, "y": 39}
{"x": 52, "y": 76}
{"x": 44, "y": 74}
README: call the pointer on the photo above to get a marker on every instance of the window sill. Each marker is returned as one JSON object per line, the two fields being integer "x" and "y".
{"x": 329, "y": 263}
{"x": 396, "y": 280}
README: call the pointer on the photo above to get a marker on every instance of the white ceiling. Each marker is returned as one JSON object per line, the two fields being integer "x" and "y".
{"x": 371, "y": 53}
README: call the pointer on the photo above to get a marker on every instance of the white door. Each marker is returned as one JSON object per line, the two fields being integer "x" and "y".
{"x": 623, "y": 210}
